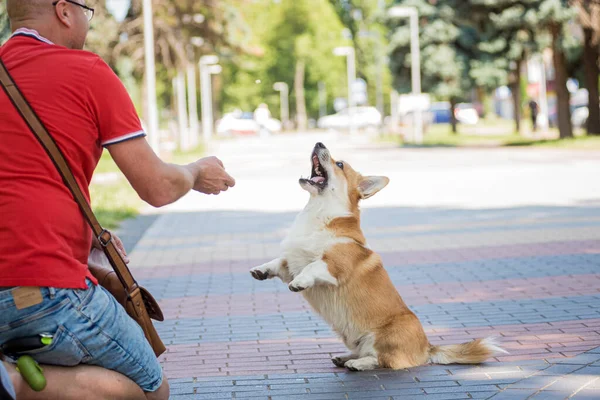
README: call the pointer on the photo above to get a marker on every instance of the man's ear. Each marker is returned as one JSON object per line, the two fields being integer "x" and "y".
{"x": 64, "y": 14}
{"x": 369, "y": 185}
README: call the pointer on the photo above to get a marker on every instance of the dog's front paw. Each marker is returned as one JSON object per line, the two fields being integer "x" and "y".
{"x": 300, "y": 283}
{"x": 259, "y": 274}
{"x": 295, "y": 287}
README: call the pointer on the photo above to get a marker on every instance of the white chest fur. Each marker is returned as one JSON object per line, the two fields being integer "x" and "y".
{"x": 309, "y": 238}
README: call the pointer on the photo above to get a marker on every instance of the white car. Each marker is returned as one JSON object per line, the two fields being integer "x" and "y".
{"x": 466, "y": 113}
{"x": 364, "y": 117}
{"x": 243, "y": 124}
{"x": 579, "y": 116}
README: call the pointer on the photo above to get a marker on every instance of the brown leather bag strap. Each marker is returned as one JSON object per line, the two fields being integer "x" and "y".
{"x": 42, "y": 135}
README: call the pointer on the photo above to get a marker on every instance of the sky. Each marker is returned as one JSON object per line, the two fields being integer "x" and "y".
{"x": 118, "y": 8}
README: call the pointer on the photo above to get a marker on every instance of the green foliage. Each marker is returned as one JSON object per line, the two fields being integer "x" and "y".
{"x": 4, "y": 25}
{"x": 445, "y": 49}
{"x": 285, "y": 32}
{"x": 364, "y": 21}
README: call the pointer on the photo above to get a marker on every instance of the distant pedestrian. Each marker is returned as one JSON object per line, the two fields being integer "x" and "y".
{"x": 533, "y": 106}
{"x": 262, "y": 116}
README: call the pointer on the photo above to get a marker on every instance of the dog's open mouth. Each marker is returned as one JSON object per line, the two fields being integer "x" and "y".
{"x": 318, "y": 174}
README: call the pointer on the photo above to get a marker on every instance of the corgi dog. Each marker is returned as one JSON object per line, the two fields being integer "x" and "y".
{"x": 326, "y": 257}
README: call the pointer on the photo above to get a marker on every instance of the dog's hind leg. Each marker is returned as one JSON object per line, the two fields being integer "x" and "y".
{"x": 362, "y": 364}
{"x": 274, "y": 268}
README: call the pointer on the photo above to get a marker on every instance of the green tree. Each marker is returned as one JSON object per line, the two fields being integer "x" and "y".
{"x": 365, "y": 25}
{"x": 4, "y": 24}
{"x": 121, "y": 44}
{"x": 511, "y": 30}
{"x": 554, "y": 15}
{"x": 293, "y": 43}
{"x": 446, "y": 51}
{"x": 588, "y": 15}
{"x": 505, "y": 38}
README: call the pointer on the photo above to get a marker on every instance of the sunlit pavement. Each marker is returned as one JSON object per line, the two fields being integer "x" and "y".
{"x": 480, "y": 242}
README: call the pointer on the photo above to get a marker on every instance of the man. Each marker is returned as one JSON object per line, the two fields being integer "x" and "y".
{"x": 45, "y": 285}
{"x": 533, "y": 107}
{"x": 262, "y": 116}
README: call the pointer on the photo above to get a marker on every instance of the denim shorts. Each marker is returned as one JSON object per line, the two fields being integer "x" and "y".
{"x": 88, "y": 327}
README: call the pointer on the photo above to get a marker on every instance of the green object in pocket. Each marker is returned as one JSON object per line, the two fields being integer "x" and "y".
{"x": 31, "y": 372}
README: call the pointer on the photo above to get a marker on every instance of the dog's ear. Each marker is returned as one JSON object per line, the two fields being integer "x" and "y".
{"x": 369, "y": 185}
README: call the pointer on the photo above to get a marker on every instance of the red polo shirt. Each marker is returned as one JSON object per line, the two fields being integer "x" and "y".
{"x": 44, "y": 239}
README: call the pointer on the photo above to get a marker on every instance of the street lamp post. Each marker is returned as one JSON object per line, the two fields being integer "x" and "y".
{"x": 543, "y": 95}
{"x": 283, "y": 90}
{"x": 348, "y": 51}
{"x": 415, "y": 62}
{"x": 153, "y": 134}
{"x": 195, "y": 41}
{"x": 208, "y": 66}
{"x": 394, "y": 111}
{"x": 322, "y": 99}
{"x": 182, "y": 117}
{"x": 192, "y": 104}
{"x": 379, "y": 64}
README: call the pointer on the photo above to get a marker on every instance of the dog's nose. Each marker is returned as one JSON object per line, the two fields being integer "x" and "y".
{"x": 320, "y": 145}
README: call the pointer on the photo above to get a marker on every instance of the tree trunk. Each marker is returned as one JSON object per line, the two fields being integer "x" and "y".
{"x": 453, "y": 121}
{"x": 562, "y": 93}
{"x": 590, "y": 64}
{"x": 300, "y": 101}
{"x": 515, "y": 88}
{"x": 484, "y": 99}
{"x": 217, "y": 89}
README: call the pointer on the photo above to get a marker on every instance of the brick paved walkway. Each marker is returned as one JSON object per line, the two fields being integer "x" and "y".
{"x": 528, "y": 274}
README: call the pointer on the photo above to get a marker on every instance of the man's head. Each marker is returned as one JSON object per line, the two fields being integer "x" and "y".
{"x": 64, "y": 22}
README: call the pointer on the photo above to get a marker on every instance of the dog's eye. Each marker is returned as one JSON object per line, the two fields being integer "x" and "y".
{"x": 340, "y": 164}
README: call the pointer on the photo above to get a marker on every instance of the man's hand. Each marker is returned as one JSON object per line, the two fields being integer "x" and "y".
{"x": 210, "y": 176}
{"x": 159, "y": 183}
{"x": 118, "y": 245}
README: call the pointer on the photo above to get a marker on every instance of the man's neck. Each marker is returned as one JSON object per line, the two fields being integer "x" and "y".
{"x": 43, "y": 31}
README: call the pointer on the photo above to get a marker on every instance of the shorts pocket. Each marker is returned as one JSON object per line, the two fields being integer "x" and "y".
{"x": 65, "y": 350}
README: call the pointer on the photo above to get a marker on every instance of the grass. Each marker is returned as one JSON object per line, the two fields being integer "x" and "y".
{"x": 496, "y": 133}
{"x": 114, "y": 202}
{"x": 579, "y": 142}
{"x": 113, "y": 199}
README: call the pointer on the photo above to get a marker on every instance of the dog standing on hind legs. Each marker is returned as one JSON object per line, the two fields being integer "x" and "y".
{"x": 325, "y": 256}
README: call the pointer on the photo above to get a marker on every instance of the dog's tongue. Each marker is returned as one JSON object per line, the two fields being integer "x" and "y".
{"x": 317, "y": 179}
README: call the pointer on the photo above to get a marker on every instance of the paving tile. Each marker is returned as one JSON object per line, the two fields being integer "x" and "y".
{"x": 514, "y": 394}
{"x": 587, "y": 394}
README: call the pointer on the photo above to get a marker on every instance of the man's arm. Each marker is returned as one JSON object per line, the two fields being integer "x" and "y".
{"x": 159, "y": 183}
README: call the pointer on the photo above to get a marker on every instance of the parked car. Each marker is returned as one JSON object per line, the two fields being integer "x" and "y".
{"x": 364, "y": 117}
{"x": 243, "y": 123}
{"x": 466, "y": 113}
{"x": 408, "y": 118}
{"x": 441, "y": 112}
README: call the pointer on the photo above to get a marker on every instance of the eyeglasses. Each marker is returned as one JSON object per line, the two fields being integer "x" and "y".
{"x": 89, "y": 12}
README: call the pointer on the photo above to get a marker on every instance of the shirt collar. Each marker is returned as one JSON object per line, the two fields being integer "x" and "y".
{"x": 31, "y": 33}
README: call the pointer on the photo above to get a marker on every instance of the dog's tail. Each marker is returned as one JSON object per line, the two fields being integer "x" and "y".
{"x": 474, "y": 352}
